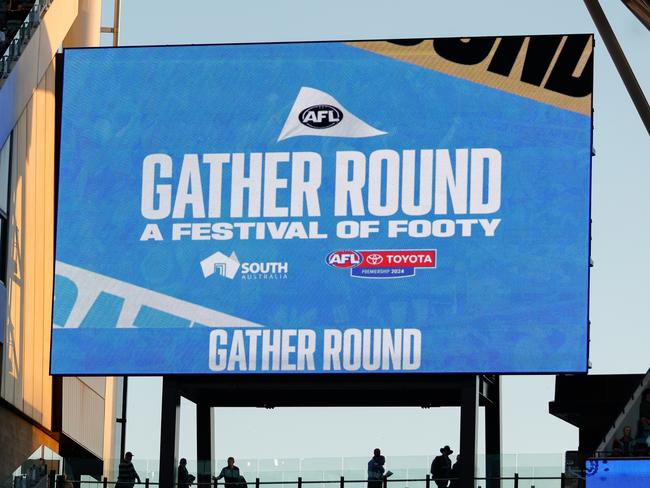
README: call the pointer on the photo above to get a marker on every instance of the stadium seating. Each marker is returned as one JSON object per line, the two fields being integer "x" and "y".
{"x": 12, "y": 15}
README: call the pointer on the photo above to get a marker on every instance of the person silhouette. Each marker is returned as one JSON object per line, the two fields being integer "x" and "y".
{"x": 185, "y": 479}
{"x": 231, "y": 475}
{"x": 126, "y": 473}
{"x": 376, "y": 469}
{"x": 441, "y": 467}
{"x": 455, "y": 474}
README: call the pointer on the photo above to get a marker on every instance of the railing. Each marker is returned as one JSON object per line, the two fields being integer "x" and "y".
{"x": 531, "y": 470}
{"x": 515, "y": 481}
{"x": 22, "y": 37}
{"x": 354, "y": 467}
{"x": 23, "y": 481}
{"x": 28, "y": 476}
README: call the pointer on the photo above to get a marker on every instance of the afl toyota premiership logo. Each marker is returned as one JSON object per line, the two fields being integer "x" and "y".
{"x": 384, "y": 263}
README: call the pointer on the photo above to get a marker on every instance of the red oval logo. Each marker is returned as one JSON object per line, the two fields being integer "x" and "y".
{"x": 344, "y": 259}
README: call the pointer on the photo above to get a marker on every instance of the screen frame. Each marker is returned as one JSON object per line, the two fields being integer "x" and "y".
{"x": 425, "y": 376}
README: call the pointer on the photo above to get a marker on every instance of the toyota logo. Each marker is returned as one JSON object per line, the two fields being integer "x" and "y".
{"x": 374, "y": 259}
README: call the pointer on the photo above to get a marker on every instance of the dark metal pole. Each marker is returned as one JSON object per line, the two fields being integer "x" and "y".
{"x": 620, "y": 61}
{"x": 122, "y": 420}
{"x": 468, "y": 430}
{"x": 116, "y": 23}
{"x": 493, "y": 436}
{"x": 204, "y": 436}
{"x": 171, "y": 405}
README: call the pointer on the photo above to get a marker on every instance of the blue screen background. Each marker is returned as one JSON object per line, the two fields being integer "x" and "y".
{"x": 516, "y": 302}
{"x": 615, "y": 473}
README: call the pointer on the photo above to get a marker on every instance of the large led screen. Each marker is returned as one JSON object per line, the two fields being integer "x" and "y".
{"x": 618, "y": 473}
{"x": 409, "y": 206}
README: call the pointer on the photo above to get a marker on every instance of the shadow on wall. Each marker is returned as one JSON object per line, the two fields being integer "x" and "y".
{"x": 15, "y": 282}
{"x": 26, "y": 386}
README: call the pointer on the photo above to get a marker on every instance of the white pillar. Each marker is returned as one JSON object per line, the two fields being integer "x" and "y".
{"x": 112, "y": 430}
{"x": 86, "y": 28}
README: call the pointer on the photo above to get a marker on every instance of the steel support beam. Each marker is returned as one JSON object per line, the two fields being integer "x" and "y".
{"x": 169, "y": 422}
{"x": 116, "y": 23}
{"x": 468, "y": 430}
{"x": 122, "y": 419}
{"x": 493, "y": 436}
{"x": 204, "y": 436}
{"x": 620, "y": 61}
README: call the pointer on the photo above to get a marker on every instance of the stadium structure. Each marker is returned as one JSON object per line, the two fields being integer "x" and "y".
{"x": 41, "y": 416}
{"x": 77, "y": 424}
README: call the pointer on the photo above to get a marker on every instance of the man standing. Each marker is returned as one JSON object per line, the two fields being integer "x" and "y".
{"x": 455, "y": 474}
{"x": 441, "y": 467}
{"x": 376, "y": 469}
{"x": 42, "y": 468}
{"x": 231, "y": 474}
{"x": 185, "y": 479}
{"x": 127, "y": 474}
{"x": 625, "y": 445}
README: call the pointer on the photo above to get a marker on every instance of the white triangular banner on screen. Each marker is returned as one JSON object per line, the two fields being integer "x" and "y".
{"x": 349, "y": 126}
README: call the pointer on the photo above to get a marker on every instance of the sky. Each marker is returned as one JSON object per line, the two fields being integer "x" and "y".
{"x": 620, "y": 335}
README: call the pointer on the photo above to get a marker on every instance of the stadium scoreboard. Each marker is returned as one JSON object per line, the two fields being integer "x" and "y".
{"x": 405, "y": 206}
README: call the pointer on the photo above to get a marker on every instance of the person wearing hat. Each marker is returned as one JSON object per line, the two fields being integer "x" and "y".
{"x": 127, "y": 474}
{"x": 441, "y": 467}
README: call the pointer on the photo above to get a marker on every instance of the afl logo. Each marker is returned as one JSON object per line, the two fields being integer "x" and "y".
{"x": 344, "y": 259}
{"x": 320, "y": 116}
